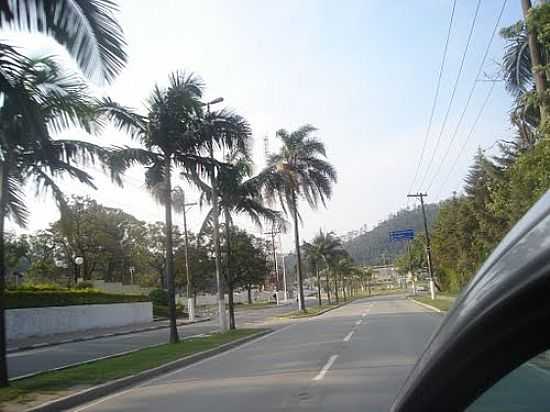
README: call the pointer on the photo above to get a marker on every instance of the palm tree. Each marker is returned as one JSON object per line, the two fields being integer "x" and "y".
{"x": 176, "y": 133}
{"x": 237, "y": 195}
{"x": 168, "y": 139}
{"x": 298, "y": 171}
{"x": 40, "y": 99}
{"x": 87, "y": 28}
{"x": 320, "y": 252}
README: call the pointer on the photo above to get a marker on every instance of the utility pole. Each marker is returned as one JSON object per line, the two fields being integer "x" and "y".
{"x": 190, "y": 302}
{"x": 216, "y": 236}
{"x": 536, "y": 61}
{"x": 284, "y": 271}
{"x": 275, "y": 266}
{"x": 421, "y": 196}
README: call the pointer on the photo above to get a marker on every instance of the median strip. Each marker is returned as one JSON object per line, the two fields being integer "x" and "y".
{"x": 84, "y": 383}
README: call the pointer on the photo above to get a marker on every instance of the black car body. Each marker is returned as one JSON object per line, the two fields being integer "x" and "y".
{"x": 500, "y": 321}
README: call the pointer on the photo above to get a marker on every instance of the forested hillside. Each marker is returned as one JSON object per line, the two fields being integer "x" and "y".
{"x": 374, "y": 246}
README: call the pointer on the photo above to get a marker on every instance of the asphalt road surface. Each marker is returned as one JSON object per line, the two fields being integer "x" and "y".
{"x": 35, "y": 360}
{"x": 353, "y": 358}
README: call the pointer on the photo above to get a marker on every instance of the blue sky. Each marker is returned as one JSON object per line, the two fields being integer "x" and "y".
{"x": 363, "y": 72}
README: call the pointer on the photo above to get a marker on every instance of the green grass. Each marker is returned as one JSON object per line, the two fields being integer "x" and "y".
{"x": 102, "y": 371}
{"x": 254, "y": 306}
{"x": 441, "y": 304}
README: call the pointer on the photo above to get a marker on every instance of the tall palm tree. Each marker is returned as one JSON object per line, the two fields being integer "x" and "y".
{"x": 168, "y": 139}
{"x": 238, "y": 194}
{"x": 176, "y": 133}
{"x": 39, "y": 101}
{"x": 297, "y": 172}
{"x": 87, "y": 28}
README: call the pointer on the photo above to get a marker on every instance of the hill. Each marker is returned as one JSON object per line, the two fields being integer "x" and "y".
{"x": 374, "y": 247}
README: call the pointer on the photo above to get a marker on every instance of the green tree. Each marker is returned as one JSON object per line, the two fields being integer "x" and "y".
{"x": 176, "y": 133}
{"x": 298, "y": 171}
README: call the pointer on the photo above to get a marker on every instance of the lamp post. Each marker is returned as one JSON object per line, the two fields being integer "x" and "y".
{"x": 216, "y": 236}
{"x": 132, "y": 269}
{"x": 78, "y": 260}
{"x": 190, "y": 302}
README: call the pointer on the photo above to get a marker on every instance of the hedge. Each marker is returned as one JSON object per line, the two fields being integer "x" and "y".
{"x": 16, "y": 299}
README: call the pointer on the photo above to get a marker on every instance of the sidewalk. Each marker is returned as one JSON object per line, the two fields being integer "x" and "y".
{"x": 17, "y": 345}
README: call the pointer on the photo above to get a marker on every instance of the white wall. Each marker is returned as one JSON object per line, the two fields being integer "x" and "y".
{"x": 23, "y": 323}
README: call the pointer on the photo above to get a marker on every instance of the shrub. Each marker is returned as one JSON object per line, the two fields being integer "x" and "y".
{"x": 162, "y": 311}
{"x": 84, "y": 285}
{"x": 38, "y": 287}
{"x": 42, "y": 298}
{"x": 159, "y": 297}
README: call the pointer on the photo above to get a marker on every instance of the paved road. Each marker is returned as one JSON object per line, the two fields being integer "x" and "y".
{"x": 350, "y": 359}
{"x": 26, "y": 362}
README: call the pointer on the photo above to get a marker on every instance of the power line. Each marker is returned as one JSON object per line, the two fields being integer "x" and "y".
{"x": 472, "y": 90}
{"x": 455, "y": 86}
{"x": 470, "y": 133}
{"x": 436, "y": 96}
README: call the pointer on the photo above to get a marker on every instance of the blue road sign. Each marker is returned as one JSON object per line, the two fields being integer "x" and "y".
{"x": 405, "y": 234}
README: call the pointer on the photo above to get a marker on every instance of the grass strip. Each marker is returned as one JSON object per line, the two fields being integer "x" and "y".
{"x": 95, "y": 373}
{"x": 310, "y": 312}
{"x": 441, "y": 304}
{"x": 254, "y": 306}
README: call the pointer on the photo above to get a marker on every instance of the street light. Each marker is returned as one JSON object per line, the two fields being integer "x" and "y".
{"x": 190, "y": 302}
{"x": 78, "y": 260}
{"x": 215, "y": 217}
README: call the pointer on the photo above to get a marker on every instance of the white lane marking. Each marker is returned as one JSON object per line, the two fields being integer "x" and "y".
{"x": 325, "y": 368}
{"x": 348, "y": 336}
{"x": 358, "y": 322}
{"x": 116, "y": 395}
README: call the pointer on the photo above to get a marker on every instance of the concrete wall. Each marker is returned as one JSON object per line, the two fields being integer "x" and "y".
{"x": 23, "y": 323}
{"x": 119, "y": 288}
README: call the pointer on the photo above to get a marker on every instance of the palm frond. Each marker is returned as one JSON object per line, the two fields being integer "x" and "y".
{"x": 516, "y": 62}
{"x": 87, "y": 28}
{"x": 122, "y": 117}
{"x": 15, "y": 201}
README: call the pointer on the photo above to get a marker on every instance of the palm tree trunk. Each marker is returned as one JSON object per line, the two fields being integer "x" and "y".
{"x": 301, "y": 303}
{"x": 3, "y": 360}
{"x": 336, "y": 289}
{"x": 343, "y": 282}
{"x": 174, "y": 338}
{"x": 229, "y": 276}
{"x": 318, "y": 286}
{"x": 217, "y": 251}
{"x": 328, "y": 285}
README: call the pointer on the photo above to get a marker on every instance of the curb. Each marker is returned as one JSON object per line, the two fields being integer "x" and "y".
{"x": 87, "y": 338}
{"x": 320, "y": 313}
{"x": 99, "y": 391}
{"x": 427, "y": 306}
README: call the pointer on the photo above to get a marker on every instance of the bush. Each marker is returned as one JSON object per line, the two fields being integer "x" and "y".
{"x": 16, "y": 299}
{"x": 37, "y": 287}
{"x": 159, "y": 297}
{"x": 162, "y": 311}
{"x": 85, "y": 285}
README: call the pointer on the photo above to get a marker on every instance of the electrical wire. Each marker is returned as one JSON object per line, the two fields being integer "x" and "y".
{"x": 453, "y": 93}
{"x": 470, "y": 133}
{"x": 436, "y": 96}
{"x": 472, "y": 90}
